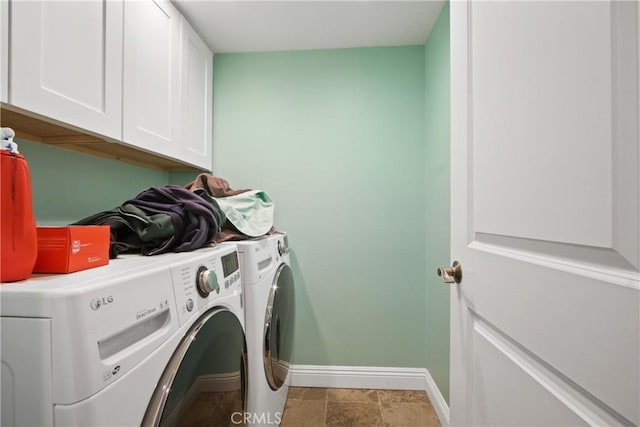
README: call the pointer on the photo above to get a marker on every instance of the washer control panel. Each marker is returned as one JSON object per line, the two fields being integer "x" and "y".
{"x": 230, "y": 268}
{"x": 232, "y": 279}
{"x": 202, "y": 277}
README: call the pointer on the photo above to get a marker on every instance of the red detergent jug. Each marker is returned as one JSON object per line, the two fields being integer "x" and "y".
{"x": 18, "y": 239}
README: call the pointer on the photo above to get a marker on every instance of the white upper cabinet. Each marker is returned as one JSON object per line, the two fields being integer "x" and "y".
{"x": 66, "y": 62}
{"x": 151, "y": 107}
{"x": 197, "y": 99}
{"x": 4, "y": 50}
{"x": 132, "y": 71}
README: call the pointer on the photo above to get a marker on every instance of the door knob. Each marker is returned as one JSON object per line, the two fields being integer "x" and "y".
{"x": 451, "y": 274}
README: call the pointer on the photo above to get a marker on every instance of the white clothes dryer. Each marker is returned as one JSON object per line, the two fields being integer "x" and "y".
{"x": 269, "y": 314}
{"x": 143, "y": 340}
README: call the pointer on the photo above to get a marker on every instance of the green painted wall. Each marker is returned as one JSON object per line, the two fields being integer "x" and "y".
{"x": 437, "y": 115}
{"x": 67, "y": 185}
{"x": 336, "y": 137}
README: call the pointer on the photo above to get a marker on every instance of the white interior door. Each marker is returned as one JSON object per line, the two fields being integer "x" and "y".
{"x": 545, "y": 196}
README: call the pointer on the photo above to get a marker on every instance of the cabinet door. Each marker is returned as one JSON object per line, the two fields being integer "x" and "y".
{"x": 151, "y": 109}
{"x": 197, "y": 99}
{"x": 66, "y": 62}
{"x": 4, "y": 50}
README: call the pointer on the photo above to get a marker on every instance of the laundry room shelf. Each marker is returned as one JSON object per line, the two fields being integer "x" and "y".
{"x": 36, "y": 128}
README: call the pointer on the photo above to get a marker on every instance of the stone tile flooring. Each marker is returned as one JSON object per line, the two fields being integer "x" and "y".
{"x": 324, "y": 407}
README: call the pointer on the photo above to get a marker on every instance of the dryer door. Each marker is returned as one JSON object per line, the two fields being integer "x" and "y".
{"x": 278, "y": 328}
{"x": 204, "y": 382}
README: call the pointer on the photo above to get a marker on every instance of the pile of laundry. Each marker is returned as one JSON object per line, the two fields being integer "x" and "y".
{"x": 179, "y": 219}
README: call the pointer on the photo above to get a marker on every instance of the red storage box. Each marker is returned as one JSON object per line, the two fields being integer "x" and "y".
{"x": 72, "y": 248}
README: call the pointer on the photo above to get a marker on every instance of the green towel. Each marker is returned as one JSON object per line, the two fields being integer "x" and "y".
{"x": 250, "y": 212}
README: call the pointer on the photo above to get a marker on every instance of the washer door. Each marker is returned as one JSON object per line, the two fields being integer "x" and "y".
{"x": 204, "y": 382}
{"x": 278, "y": 328}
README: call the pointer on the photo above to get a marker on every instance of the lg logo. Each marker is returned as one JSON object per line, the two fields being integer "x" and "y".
{"x": 99, "y": 302}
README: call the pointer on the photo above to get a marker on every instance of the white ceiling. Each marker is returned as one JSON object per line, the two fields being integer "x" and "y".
{"x": 267, "y": 25}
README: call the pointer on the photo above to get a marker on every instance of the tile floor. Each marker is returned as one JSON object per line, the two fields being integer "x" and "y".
{"x": 357, "y": 407}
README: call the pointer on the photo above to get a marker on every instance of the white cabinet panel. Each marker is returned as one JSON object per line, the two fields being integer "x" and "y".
{"x": 4, "y": 50}
{"x": 197, "y": 99}
{"x": 151, "y": 110}
{"x": 66, "y": 62}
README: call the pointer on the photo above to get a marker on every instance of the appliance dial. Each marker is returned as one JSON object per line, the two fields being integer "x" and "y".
{"x": 207, "y": 282}
{"x": 282, "y": 248}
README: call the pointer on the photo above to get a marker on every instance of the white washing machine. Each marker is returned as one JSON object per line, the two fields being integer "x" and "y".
{"x": 269, "y": 314}
{"x": 143, "y": 340}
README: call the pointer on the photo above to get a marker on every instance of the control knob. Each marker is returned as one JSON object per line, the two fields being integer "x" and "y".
{"x": 207, "y": 282}
{"x": 282, "y": 248}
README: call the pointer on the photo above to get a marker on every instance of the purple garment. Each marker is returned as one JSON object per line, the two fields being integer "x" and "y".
{"x": 195, "y": 220}
{"x": 161, "y": 219}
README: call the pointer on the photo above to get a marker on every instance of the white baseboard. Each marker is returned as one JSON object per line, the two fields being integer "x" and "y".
{"x": 214, "y": 383}
{"x": 437, "y": 400}
{"x": 380, "y": 378}
{"x": 218, "y": 383}
{"x": 357, "y": 377}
